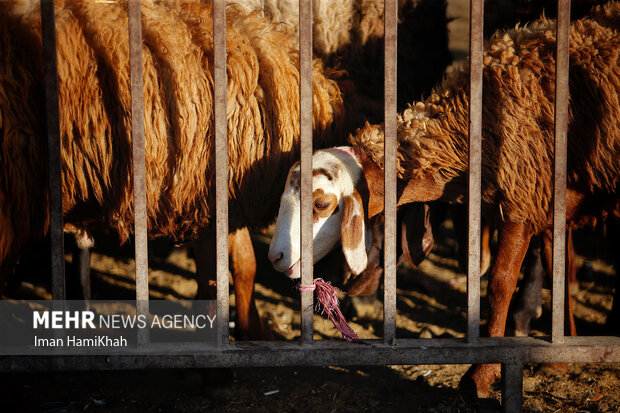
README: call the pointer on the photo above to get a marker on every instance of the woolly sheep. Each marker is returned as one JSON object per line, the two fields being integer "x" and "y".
{"x": 94, "y": 98}
{"x": 517, "y": 147}
{"x": 349, "y": 34}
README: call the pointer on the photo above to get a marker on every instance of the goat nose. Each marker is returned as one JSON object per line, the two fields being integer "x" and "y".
{"x": 274, "y": 258}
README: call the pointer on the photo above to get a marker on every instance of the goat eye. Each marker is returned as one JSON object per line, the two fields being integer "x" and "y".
{"x": 321, "y": 205}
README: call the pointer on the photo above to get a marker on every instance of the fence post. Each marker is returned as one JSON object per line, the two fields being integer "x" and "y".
{"x": 389, "y": 208}
{"x": 512, "y": 388}
{"x": 139, "y": 174}
{"x": 305, "y": 109}
{"x": 48, "y": 32}
{"x": 474, "y": 176}
{"x": 559, "y": 171}
{"x": 221, "y": 169}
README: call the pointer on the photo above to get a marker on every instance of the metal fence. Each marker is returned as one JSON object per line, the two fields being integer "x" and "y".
{"x": 511, "y": 352}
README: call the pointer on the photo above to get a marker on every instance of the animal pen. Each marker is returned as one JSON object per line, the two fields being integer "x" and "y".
{"x": 512, "y": 352}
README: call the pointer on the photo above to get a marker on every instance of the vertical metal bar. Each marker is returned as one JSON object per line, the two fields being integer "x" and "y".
{"x": 389, "y": 283}
{"x": 512, "y": 388}
{"x": 559, "y": 194}
{"x": 475, "y": 166}
{"x": 48, "y": 30}
{"x": 305, "y": 104}
{"x": 221, "y": 168}
{"x": 139, "y": 176}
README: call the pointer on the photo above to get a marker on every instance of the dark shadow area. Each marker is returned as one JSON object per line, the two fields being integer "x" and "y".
{"x": 307, "y": 389}
{"x": 119, "y": 291}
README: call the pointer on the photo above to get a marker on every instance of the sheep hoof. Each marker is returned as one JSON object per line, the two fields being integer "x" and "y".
{"x": 477, "y": 382}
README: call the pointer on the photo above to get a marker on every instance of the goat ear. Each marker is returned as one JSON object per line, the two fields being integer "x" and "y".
{"x": 370, "y": 186}
{"x": 353, "y": 233}
{"x": 368, "y": 281}
{"x": 416, "y": 232}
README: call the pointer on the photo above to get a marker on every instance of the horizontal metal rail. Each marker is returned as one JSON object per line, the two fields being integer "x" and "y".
{"x": 508, "y": 350}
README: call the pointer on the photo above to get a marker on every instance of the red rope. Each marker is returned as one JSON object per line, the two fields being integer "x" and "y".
{"x": 327, "y": 302}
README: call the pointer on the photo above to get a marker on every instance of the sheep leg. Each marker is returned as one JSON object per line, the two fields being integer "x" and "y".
{"x": 78, "y": 282}
{"x": 569, "y": 320}
{"x": 215, "y": 380}
{"x": 571, "y": 268}
{"x": 459, "y": 220}
{"x": 529, "y": 299}
{"x": 513, "y": 243}
{"x": 243, "y": 266}
{"x": 485, "y": 249}
{"x": 248, "y": 325}
{"x": 547, "y": 258}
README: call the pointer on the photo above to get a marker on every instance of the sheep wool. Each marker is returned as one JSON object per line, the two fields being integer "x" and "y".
{"x": 350, "y": 34}
{"x": 518, "y": 121}
{"x": 95, "y": 125}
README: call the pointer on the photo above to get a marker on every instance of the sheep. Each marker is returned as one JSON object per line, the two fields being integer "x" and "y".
{"x": 517, "y": 147}
{"x": 335, "y": 199}
{"x": 349, "y": 34}
{"x": 504, "y": 14}
{"x": 94, "y": 98}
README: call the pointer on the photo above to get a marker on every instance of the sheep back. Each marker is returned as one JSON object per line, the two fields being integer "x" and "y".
{"x": 350, "y": 34}
{"x": 518, "y": 122}
{"x": 95, "y": 122}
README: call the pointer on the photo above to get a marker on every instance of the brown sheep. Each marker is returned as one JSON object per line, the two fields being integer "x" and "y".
{"x": 504, "y": 14}
{"x": 517, "y": 147}
{"x": 350, "y": 34}
{"x": 94, "y": 94}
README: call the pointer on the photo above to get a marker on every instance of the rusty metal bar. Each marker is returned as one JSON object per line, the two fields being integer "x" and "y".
{"x": 139, "y": 174}
{"x": 559, "y": 172}
{"x": 507, "y": 350}
{"x": 389, "y": 259}
{"x": 221, "y": 169}
{"x": 512, "y": 388}
{"x": 474, "y": 177}
{"x": 305, "y": 107}
{"x": 48, "y": 31}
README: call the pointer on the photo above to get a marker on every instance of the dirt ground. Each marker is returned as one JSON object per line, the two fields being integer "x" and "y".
{"x": 431, "y": 303}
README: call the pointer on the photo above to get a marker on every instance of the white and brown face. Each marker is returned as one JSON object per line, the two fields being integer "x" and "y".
{"x": 337, "y": 213}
